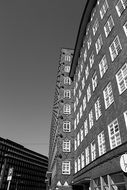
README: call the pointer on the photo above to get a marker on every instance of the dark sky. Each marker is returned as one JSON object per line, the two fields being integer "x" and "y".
{"x": 32, "y": 33}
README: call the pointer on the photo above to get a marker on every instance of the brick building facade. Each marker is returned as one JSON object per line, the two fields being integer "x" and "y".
{"x": 60, "y": 168}
{"x": 99, "y": 72}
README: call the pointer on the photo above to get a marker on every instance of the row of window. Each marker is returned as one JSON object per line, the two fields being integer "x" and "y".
{"x": 90, "y": 152}
{"x": 84, "y": 131}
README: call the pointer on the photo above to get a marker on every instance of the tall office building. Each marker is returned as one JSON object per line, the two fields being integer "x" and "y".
{"x": 99, "y": 72}
{"x": 24, "y": 169}
{"x": 60, "y": 168}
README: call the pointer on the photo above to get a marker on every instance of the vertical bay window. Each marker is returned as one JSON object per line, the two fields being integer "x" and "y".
{"x": 114, "y": 134}
{"x": 121, "y": 78}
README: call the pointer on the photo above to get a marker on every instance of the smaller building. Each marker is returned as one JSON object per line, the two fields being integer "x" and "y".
{"x": 28, "y": 167}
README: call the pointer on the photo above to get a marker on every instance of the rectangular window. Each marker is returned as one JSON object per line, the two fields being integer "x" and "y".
{"x": 83, "y": 83}
{"x": 84, "y": 103}
{"x": 114, "y": 134}
{"x": 93, "y": 151}
{"x": 103, "y": 66}
{"x": 67, "y": 68}
{"x": 75, "y": 144}
{"x": 66, "y": 167}
{"x": 104, "y": 9}
{"x": 80, "y": 111}
{"x": 67, "y": 93}
{"x": 77, "y": 118}
{"x": 87, "y": 72}
{"x": 97, "y": 109}
{"x": 121, "y": 78}
{"x": 78, "y": 139}
{"x": 94, "y": 81}
{"x": 81, "y": 134}
{"x": 67, "y": 109}
{"x": 91, "y": 59}
{"x": 75, "y": 126}
{"x": 98, "y": 44}
{"x": 66, "y": 145}
{"x": 108, "y": 26}
{"x": 115, "y": 48}
{"x": 125, "y": 117}
{"x": 120, "y": 7}
{"x": 108, "y": 95}
{"x": 66, "y": 126}
{"x": 91, "y": 119}
{"x": 79, "y": 75}
{"x": 101, "y": 143}
{"x": 79, "y": 163}
{"x": 67, "y": 80}
{"x": 82, "y": 160}
{"x": 74, "y": 106}
{"x": 95, "y": 26}
{"x": 85, "y": 127}
{"x": 125, "y": 28}
{"x": 77, "y": 101}
{"x": 76, "y": 166}
{"x": 89, "y": 42}
{"x": 88, "y": 93}
{"x": 87, "y": 154}
{"x": 85, "y": 55}
{"x": 80, "y": 93}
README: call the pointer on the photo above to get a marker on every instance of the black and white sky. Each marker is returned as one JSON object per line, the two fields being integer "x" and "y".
{"x": 32, "y": 32}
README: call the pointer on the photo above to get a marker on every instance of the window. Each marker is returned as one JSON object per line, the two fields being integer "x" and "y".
{"x": 98, "y": 44}
{"x": 125, "y": 28}
{"x": 88, "y": 93}
{"x": 76, "y": 100}
{"x": 108, "y": 95}
{"x": 115, "y": 48}
{"x": 86, "y": 127}
{"x": 97, "y": 109}
{"x": 77, "y": 118}
{"x": 84, "y": 103}
{"x": 121, "y": 6}
{"x": 66, "y": 167}
{"x": 83, "y": 83}
{"x": 87, "y": 154}
{"x": 103, "y": 66}
{"x": 75, "y": 144}
{"x": 82, "y": 160}
{"x": 94, "y": 81}
{"x": 74, "y": 91}
{"x": 91, "y": 119}
{"x": 114, "y": 134}
{"x": 75, "y": 126}
{"x": 85, "y": 55}
{"x": 125, "y": 117}
{"x": 95, "y": 26}
{"x": 81, "y": 134}
{"x": 80, "y": 111}
{"x": 121, "y": 78}
{"x": 74, "y": 106}
{"x": 91, "y": 59}
{"x": 93, "y": 151}
{"x": 66, "y": 145}
{"x": 67, "y": 80}
{"x": 108, "y": 26}
{"x": 79, "y": 75}
{"x": 66, "y": 126}
{"x": 104, "y": 9}
{"x": 101, "y": 143}
{"x": 67, "y": 109}
{"x": 87, "y": 72}
{"x": 67, "y": 68}
{"x": 76, "y": 166}
{"x": 67, "y": 94}
{"x": 79, "y": 163}
{"x": 82, "y": 66}
{"x": 78, "y": 139}
{"x": 89, "y": 42}
{"x": 80, "y": 93}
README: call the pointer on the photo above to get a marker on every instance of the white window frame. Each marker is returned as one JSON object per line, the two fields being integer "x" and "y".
{"x": 120, "y": 7}
{"x": 103, "y": 66}
{"x": 67, "y": 93}
{"x": 84, "y": 103}
{"x": 86, "y": 127}
{"x": 98, "y": 109}
{"x": 93, "y": 150}
{"x": 66, "y": 145}
{"x": 85, "y": 55}
{"x": 75, "y": 124}
{"x": 78, "y": 139}
{"x": 66, "y": 167}
{"x": 81, "y": 134}
{"x": 76, "y": 165}
{"x": 87, "y": 155}
{"x": 95, "y": 26}
{"x": 121, "y": 78}
{"x": 108, "y": 26}
{"x": 91, "y": 59}
{"x": 115, "y": 48}
{"x": 98, "y": 44}
{"x": 67, "y": 109}
{"x": 88, "y": 93}
{"x": 94, "y": 81}
{"x": 66, "y": 126}
{"x": 83, "y": 83}
{"x": 82, "y": 159}
{"x": 101, "y": 143}
{"x": 114, "y": 134}
{"x": 67, "y": 68}
{"x": 108, "y": 95}
{"x": 80, "y": 109}
{"x": 67, "y": 80}
{"x": 104, "y": 9}
{"x": 91, "y": 119}
{"x": 125, "y": 28}
{"x": 87, "y": 72}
